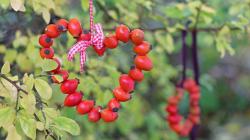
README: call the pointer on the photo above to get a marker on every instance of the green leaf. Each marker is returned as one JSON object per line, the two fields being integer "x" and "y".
{"x": 169, "y": 43}
{"x": 5, "y": 4}
{"x": 17, "y": 5}
{"x": 85, "y": 5}
{"x": 12, "y": 134}
{"x": 67, "y": 124}
{"x": 28, "y": 102}
{"x": 49, "y": 65}
{"x": 43, "y": 89}
{"x": 28, "y": 126}
{"x": 6, "y": 68}
{"x": 7, "y": 116}
{"x": 2, "y": 49}
{"x": 10, "y": 55}
{"x": 46, "y": 15}
{"x": 29, "y": 82}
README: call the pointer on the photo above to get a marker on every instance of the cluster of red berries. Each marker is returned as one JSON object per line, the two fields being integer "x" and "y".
{"x": 174, "y": 118}
{"x": 127, "y": 81}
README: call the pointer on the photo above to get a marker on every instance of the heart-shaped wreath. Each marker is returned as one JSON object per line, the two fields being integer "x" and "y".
{"x": 100, "y": 43}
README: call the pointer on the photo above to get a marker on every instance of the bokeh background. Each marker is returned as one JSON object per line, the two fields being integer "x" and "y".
{"x": 223, "y": 50}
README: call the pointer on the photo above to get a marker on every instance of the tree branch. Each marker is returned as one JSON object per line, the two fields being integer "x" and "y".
{"x": 13, "y": 83}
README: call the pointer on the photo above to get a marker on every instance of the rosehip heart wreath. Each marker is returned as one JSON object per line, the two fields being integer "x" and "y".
{"x": 100, "y": 43}
{"x": 192, "y": 87}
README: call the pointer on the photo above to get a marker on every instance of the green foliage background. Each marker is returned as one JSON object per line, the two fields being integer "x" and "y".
{"x": 22, "y": 21}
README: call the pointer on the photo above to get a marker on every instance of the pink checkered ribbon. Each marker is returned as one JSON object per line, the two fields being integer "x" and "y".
{"x": 96, "y": 40}
{"x": 81, "y": 46}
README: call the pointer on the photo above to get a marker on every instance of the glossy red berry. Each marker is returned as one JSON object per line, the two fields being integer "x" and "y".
{"x": 173, "y": 100}
{"x": 195, "y": 110}
{"x": 69, "y": 86}
{"x": 122, "y": 33}
{"x": 110, "y": 42}
{"x": 137, "y": 36}
{"x": 75, "y": 27}
{"x": 143, "y": 48}
{"x": 63, "y": 73}
{"x": 189, "y": 84}
{"x": 121, "y": 95}
{"x": 172, "y": 109}
{"x": 58, "y": 65}
{"x": 126, "y": 83}
{"x": 45, "y": 41}
{"x": 94, "y": 115}
{"x": 114, "y": 105}
{"x": 73, "y": 99}
{"x": 100, "y": 52}
{"x": 174, "y": 119}
{"x": 47, "y": 53}
{"x": 84, "y": 37}
{"x": 176, "y": 127}
{"x": 62, "y": 25}
{"x": 52, "y": 31}
{"x": 108, "y": 115}
{"x": 136, "y": 74}
{"x": 85, "y": 106}
{"x": 143, "y": 63}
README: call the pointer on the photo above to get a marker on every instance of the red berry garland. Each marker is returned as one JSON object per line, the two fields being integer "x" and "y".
{"x": 174, "y": 118}
{"x": 127, "y": 81}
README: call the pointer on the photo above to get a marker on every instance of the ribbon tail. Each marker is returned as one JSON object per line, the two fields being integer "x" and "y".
{"x": 83, "y": 58}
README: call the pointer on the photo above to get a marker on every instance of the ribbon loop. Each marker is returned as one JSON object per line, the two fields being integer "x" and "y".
{"x": 97, "y": 38}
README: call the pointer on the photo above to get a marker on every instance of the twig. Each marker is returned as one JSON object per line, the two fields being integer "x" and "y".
{"x": 13, "y": 83}
{"x": 197, "y": 16}
{"x": 40, "y": 105}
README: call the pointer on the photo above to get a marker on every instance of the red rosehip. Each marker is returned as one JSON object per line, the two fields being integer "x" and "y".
{"x": 176, "y": 127}
{"x": 143, "y": 63}
{"x": 195, "y": 110}
{"x": 114, "y": 105}
{"x": 172, "y": 109}
{"x": 194, "y": 118}
{"x": 85, "y": 106}
{"x": 121, "y": 95}
{"x": 174, "y": 119}
{"x": 94, "y": 115}
{"x": 173, "y": 100}
{"x": 142, "y": 49}
{"x": 101, "y": 51}
{"x": 58, "y": 65}
{"x": 195, "y": 97}
{"x": 52, "y": 31}
{"x": 47, "y": 53}
{"x": 110, "y": 42}
{"x": 69, "y": 86}
{"x": 136, "y": 74}
{"x": 188, "y": 125}
{"x": 84, "y": 37}
{"x": 63, "y": 73}
{"x": 137, "y": 36}
{"x": 189, "y": 84}
{"x": 108, "y": 115}
{"x": 126, "y": 83}
{"x": 75, "y": 27}
{"x": 194, "y": 89}
{"x": 73, "y": 99}
{"x": 122, "y": 33}
{"x": 45, "y": 41}
{"x": 62, "y": 25}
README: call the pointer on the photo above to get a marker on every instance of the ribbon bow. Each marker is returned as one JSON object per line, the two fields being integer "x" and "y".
{"x": 96, "y": 40}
